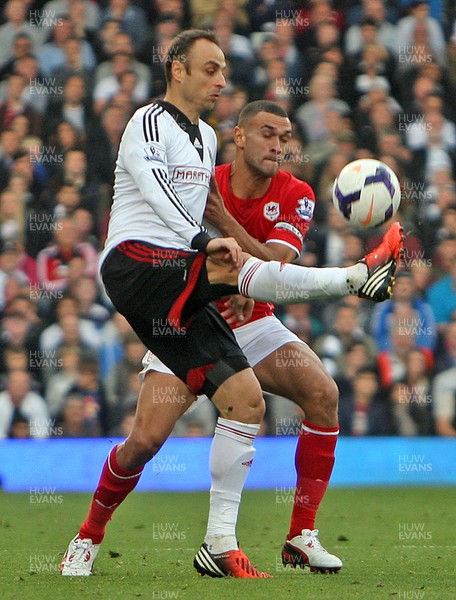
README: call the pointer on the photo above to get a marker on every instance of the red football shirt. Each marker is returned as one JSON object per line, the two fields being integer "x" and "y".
{"x": 282, "y": 215}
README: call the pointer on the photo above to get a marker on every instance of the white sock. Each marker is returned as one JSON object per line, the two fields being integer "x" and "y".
{"x": 284, "y": 283}
{"x": 232, "y": 453}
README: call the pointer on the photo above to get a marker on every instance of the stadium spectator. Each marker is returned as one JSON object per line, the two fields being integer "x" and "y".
{"x": 361, "y": 411}
{"x": 14, "y": 104}
{"x": 117, "y": 380}
{"x": 122, "y": 43}
{"x": 132, "y": 19}
{"x": 442, "y": 297}
{"x": 344, "y": 332}
{"x": 355, "y": 357}
{"x": 18, "y": 397}
{"x": 73, "y": 65}
{"x": 84, "y": 290}
{"x": 408, "y": 417}
{"x": 308, "y": 20}
{"x": 14, "y": 334}
{"x": 11, "y": 215}
{"x": 51, "y": 55}
{"x": 295, "y": 160}
{"x": 329, "y": 237}
{"x": 373, "y": 122}
{"x": 299, "y": 319}
{"x": 9, "y": 146}
{"x": 76, "y": 170}
{"x": 373, "y": 27}
{"x": 112, "y": 349}
{"x": 444, "y": 387}
{"x": 403, "y": 335}
{"x": 59, "y": 382}
{"x": 17, "y": 22}
{"x": 90, "y": 388}
{"x": 72, "y": 107}
{"x": 312, "y": 115}
{"x": 85, "y": 227}
{"x": 63, "y": 137}
{"x": 422, "y": 321}
{"x": 10, "y": 271}
{"x": 22, "y": 46}
{"x": 68, "y": 199}
{"x": 237, "y": 48}
{"x": 416, "y": 31}
{"x": 262, "y": 14}
{"x": 60, "y": 8}
{"x": 123, "y": 78}
{"x": 69, "y": 328}
{"x": 35, "y": 93}
{"x": 20, "y": 427}
{"x": 104, "y": 42}
{"x": 53, "y": 262}
{"x": 74, "y": 420}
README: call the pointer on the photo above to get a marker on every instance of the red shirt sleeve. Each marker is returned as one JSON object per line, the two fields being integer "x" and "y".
{"x": 297, "y": 203}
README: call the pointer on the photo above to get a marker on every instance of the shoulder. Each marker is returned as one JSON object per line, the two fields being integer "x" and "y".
{"x": 222, "y": 170}
{"x": 439, "y": 286}
{"x": 293, "y": 186}
{"x": 150, "y": 123}
{"x": 33, "y": 399}
{"x": 207, "y": 130}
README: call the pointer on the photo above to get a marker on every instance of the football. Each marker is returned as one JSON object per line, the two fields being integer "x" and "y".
{"x": 367, "y": 193}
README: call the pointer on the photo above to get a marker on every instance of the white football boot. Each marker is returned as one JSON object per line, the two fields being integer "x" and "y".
{"x": 305, "y": 550}
{"x": 79, "y": 558}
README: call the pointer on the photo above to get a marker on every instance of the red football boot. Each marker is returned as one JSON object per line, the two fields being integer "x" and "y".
{"x": 233, "y": 563}
{"x": 382, "y": 264}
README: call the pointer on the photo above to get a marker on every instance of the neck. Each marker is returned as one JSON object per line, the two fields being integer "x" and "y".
{"x": 246, "y": 183}
{"x": 190, "y": 111}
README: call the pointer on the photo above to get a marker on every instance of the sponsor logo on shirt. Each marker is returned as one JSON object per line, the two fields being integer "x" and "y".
{"x": 152, "y": 153}
{"x": 196, "y": 175}
{"x": 306, "y": 208}
{"x": 271, "y": 211}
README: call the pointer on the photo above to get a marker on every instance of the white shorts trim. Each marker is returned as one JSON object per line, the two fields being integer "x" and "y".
{"x": 257, "y": 339}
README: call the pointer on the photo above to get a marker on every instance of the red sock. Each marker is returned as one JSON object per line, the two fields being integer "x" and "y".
{"x": 113, "y": 487}
{"x": 314, "y": 462}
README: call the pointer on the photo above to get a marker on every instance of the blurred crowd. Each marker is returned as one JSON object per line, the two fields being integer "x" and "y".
{"x": 370, "y": 78}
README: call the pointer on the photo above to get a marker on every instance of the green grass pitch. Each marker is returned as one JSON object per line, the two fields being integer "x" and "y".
{"x": 396, "y": 543}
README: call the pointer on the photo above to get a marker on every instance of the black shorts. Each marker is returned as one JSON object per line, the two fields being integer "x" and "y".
{"x": 166, "y": 297}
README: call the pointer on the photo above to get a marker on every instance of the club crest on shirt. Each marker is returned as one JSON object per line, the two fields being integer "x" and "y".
{"x": 153, "y": 154}
{"x": 271, "y": 210}
{"x": 306, "y": 208}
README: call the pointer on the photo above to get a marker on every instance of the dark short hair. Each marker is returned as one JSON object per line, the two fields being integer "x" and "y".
{"x": 181, "y": 46}
{"x": 253, "y": 108}
{"x": 369, "y": 22}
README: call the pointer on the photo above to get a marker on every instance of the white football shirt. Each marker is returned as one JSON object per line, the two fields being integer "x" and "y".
{"x": 162, "y": 176}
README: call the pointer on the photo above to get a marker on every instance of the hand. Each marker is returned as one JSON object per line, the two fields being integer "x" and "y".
{"x": 225, "y": 251}
{"x": 215, "y": 211}
{"x": 238, "y": 310}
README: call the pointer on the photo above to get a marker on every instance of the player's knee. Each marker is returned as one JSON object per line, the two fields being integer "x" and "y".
{"x": 320, "y": 403}
{"x": 327, "y": 400}
{"x": 250, "y": 408}
{"x": 257, "y": 407}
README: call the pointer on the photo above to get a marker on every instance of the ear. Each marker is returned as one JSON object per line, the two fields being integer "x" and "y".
{"x": 239, "y": 137}
{"x": 177, "y": 70}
